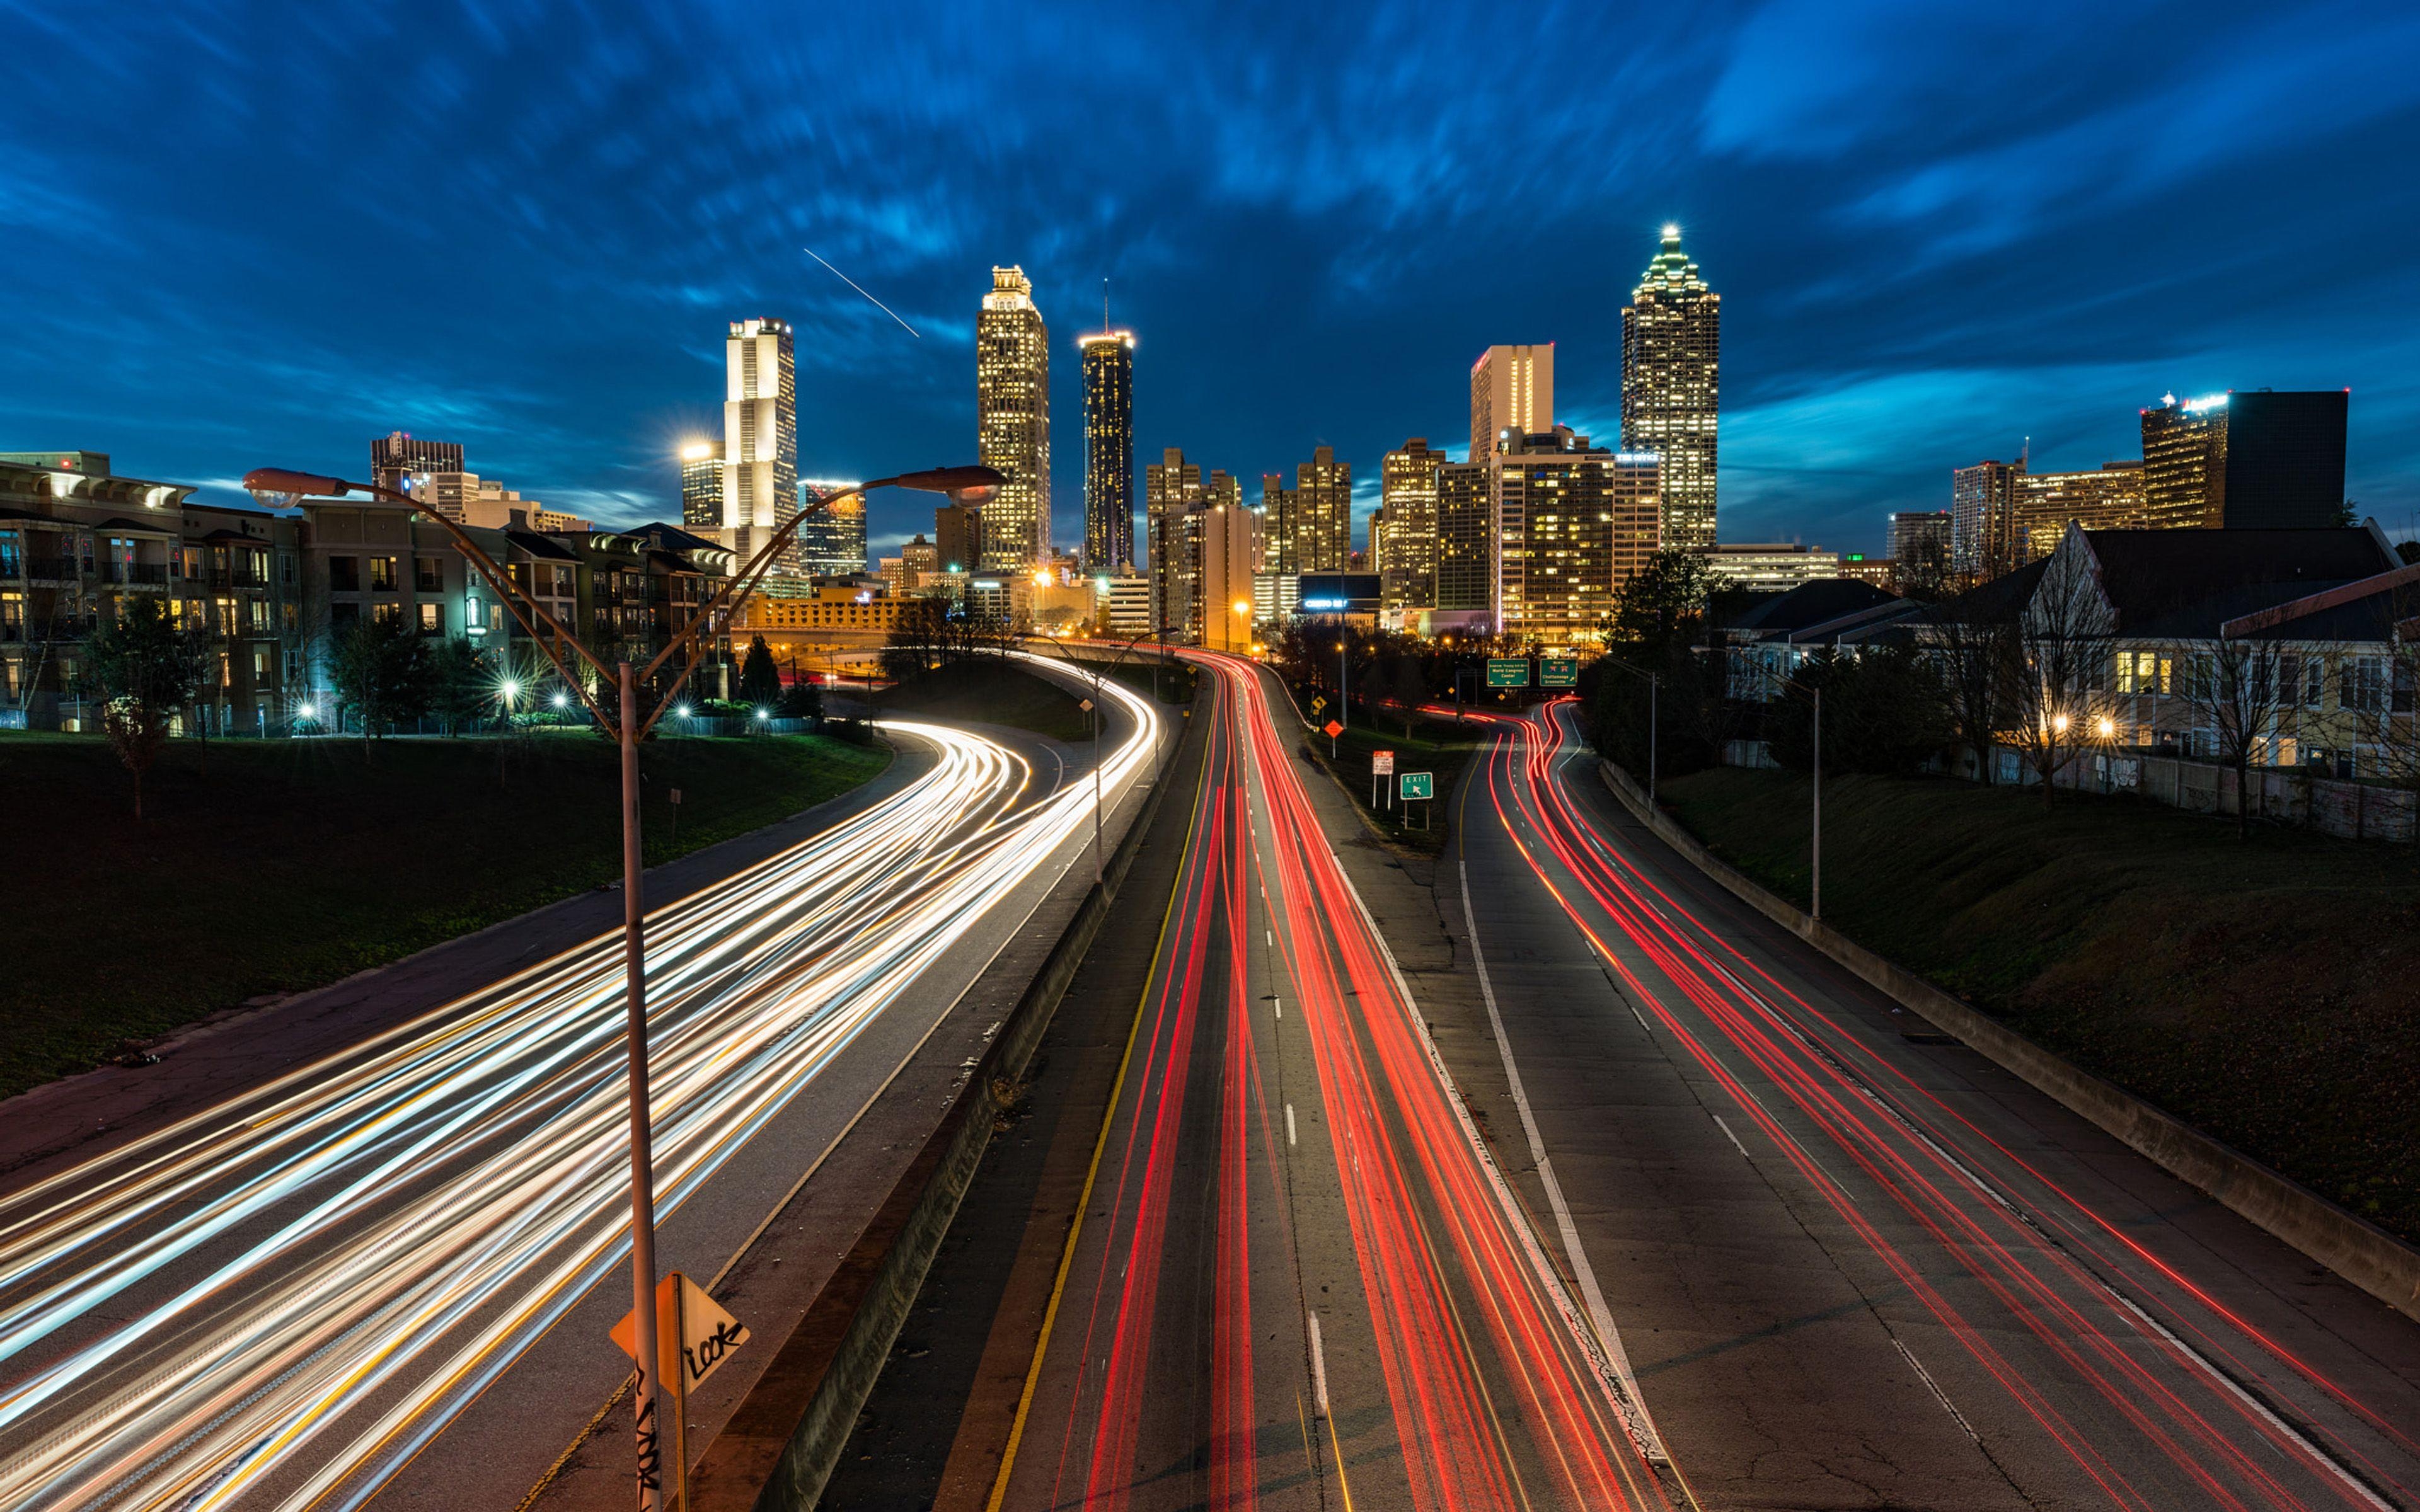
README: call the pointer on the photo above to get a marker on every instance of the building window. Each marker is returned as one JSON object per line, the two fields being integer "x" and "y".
{"x": 386, "y": 613}
{"x": 344, "y": 574}
{"x": 12, "y": 561}
{"x": 260, "y": 608}
{"x": 382, "y": 575}
{"x": 428, "y": 574}
{"x": 343, "y": 616}
{"x": 432, "y": 619}
{"x": 285, "y": 568}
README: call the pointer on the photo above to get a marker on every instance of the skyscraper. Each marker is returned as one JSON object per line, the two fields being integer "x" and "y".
{"x": 760, "y": 441}
{"x": 1309, "y": 527}
{"x": 1984, "y": 519}
{"x": 1511, "y": 388}
{"x": 2107, "y": 497}
{"x": 1231, "y": 550}
{"x": 701, "y": 487}
{"x": 394, "y": 457}
{"x": 2255, "y": 460}
{"x": 831, "y": 540}
{"x": 1109, "y": 450}
{"x": 1172, "y": 491}
{"x": 1920, "y": 548}
{"x": 1466, "y": 551}
{"x": 1671, "y": 345}
{"x": 1012, "y": 421}
{"x": 1406, "y": 559}
{"x": 1573, "y": 522}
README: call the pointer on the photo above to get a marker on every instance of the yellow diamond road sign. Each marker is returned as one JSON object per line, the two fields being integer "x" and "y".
{"x": 691, "y": 1327}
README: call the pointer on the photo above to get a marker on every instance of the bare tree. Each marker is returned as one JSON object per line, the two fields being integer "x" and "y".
{"x": 2057, "y": 685}
{"x": 1977, "y": 658}
{"x": 2236, "y": 687}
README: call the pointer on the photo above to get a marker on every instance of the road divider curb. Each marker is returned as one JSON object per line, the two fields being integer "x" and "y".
{"x": 2353, "y": 1248}
{"x": 833, "y": 1358}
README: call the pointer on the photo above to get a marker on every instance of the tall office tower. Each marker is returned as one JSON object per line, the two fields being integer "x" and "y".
{"x": 395, "y": 456}
{"x": 1918, "y": 547}
{"x": 1671, "y": 363}
{"x": 1172, "y": 491}
{"x": 1984, "y": 519}
{"x": 1230, "y": 537}
{"x": 701, "y": 487}
{"x": 1109, "y": 450}
{"x": 760, "y": 441}
{"x": 1573, "y": 522}
{"x": 2108, "y": 498}
{"x": 1466, "y": 538}
{"x": 831, "y": 540}
{"x": 1511, "y": 388}
{"x": 958, "y": 537}
{"x": 2259, "y": 460}
{"x": 1309, "y": 527}
{"x": 1012, "y": 421}
{"x": 1406, "y": 562}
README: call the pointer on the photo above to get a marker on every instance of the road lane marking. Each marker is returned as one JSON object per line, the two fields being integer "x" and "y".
{"x": 1732, "y": 1138}
{"x": 1318, "y": 1370}
{"x": 1601, "y": 1316}
{"x": 1938, "y": 1395}
{"x": 1290, "y": 1138}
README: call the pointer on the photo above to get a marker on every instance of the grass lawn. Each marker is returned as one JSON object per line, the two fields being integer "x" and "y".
{"x": 2266, "y": 990}
{"x": 990, "y": 690}
{"x": 276, "y": 866}
{"x": 1437, "y": 747}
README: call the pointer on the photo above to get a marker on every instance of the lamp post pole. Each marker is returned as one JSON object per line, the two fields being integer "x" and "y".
{"x": 628, "y": 727}
{"x": 1654, "y": 684}
{"x": 1815, "y": 884}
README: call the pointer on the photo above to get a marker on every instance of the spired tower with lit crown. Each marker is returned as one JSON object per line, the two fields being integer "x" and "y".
{"x": 1109, "y": 450}
{"x": 1671, "y": 342}
{"x": 1012, "y": 421}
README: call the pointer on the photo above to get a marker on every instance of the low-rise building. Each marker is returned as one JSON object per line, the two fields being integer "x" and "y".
{"x": 1770, "y": 567}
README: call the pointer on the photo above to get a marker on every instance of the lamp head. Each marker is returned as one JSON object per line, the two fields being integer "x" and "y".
{"x": 284, "y": 479}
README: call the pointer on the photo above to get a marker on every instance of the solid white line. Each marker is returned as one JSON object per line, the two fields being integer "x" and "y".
{"x": 1318, "y": 1371}
{"x": 1594, "y": 1297}
{"x": 1290, "y": 1139}
{"x": 1938, "y": 1395}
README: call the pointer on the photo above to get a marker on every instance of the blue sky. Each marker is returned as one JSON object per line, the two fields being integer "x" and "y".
{"x": 246, "y": 234}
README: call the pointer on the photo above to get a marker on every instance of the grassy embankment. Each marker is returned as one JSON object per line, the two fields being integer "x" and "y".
{"x": 2265, "y": 990}
{"x": 990, "y": 690}
{"x": 277, "y": 866}
{"x": 1437, "y": 747}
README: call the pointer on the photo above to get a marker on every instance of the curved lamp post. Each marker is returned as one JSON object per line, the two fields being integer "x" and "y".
{"x": 624, "y": 721}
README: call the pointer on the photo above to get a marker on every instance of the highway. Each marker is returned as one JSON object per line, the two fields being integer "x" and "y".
{"x": 1856, "y": 1264}
{"x": 282, "y": 1301}
{"x": 1298, "y": 1280}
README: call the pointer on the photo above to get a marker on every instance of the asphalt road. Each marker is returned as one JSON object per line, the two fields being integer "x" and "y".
{"x": 1297, "y": 1281}
{"x": 1855, "y": 1265}
{"x": 342, "y": 1284}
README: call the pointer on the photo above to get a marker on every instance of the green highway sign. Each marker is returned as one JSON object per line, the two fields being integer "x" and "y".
{"x": 1508, "y": 671}
{"x": 1559, "y": 672}
{"x": 1417, "y": 785}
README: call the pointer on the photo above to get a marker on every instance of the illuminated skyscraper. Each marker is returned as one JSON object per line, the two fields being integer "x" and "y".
{"x": 1573, "y": 522}
{"x": 1406, "y": 558}
{"x": 700, "y": 485}
{"x": 1671, "y": 345}
{"x": 1511, "y": 388}
{"x": 2107, "y": 497}
{"x": 395, "y": 457}
{"x": 831, "y": 540}
{"x": 1229, "y": 536}
{"x": 1983, "y": 541}
{"x": 760, "y": 442}
{"x": 1309, "y": 527}
{"x": 1012, "y": 421}
{"x": 2253, "y": 460}
{"x": 1109, "y": 450}
{"x": 1465, "y": 551}
{"x": 1172, "y": 492}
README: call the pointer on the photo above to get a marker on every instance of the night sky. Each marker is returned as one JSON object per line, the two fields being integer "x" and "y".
{"x": 246, "y": 235}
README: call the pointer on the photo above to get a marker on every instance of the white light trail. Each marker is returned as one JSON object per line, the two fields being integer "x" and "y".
{"x": 277, "y": 1300}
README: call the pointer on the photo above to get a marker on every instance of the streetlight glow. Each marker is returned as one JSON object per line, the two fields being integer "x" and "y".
{"x": 1243, "y": 606}
{"x": 307, "y": 712}
{"x": 512, "y": 689}
{"x": 2058, "y": 723}
{"x": 561, "y": 697}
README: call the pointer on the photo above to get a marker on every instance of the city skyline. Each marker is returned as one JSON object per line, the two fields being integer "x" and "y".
{"x": 1912, "y": 287}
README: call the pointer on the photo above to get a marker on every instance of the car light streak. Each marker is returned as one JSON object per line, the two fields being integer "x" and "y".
{"x": 2142, "y": 1372}
{"x": 281, "y": 1299}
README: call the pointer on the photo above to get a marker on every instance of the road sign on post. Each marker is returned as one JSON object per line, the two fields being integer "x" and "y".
{"x": 1508, "y": 671}
{"x": 1417, "y": 787}
{"x": 693, "y": 1336}
{"x": 1382, "y": 764}
{"x": 1333, "y": 730}
{"x": 1559, "y": 672}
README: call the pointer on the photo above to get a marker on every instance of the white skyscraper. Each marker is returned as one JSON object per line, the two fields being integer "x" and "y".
{"x": 760, "y": 439}
{"x": 1012, "y": 421}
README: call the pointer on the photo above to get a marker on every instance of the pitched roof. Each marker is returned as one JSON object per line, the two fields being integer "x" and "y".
{"x": 2185, "y": 582}
{"x": 1811, "y": 603}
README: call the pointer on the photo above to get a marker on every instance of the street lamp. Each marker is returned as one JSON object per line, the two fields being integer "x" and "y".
{"x": 628, "y": 726}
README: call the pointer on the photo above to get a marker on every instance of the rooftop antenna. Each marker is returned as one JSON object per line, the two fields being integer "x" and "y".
{"x": 1105, "y": 304}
